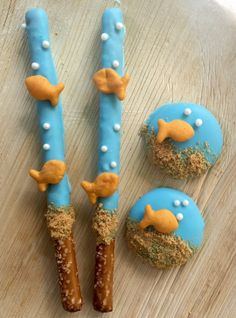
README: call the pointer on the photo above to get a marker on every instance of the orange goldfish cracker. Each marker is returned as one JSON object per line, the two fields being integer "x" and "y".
{"x": 41, "y": 89}
{"x": 178, "y": 130}
{"x": 52, "y": 172}
{"x": 164, "y": 221}
{"x": 108, "y": 82}
{"x": 104, "y": 186}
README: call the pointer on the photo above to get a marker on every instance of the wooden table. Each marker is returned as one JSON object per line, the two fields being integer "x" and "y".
{"x": 176, "y": 50}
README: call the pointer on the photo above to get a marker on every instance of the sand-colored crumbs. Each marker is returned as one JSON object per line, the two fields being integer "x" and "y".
{"x": 180, "y": 164}
{"x": 159, "y": 250}
{"x": 105, "y": 224}
{"x": 60, "y": 221}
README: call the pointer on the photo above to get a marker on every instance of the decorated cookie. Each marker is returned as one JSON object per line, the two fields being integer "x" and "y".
{"x": 165, "y": 228}
{"x": 183, "y": 139}
{"x": 52, "y": 178}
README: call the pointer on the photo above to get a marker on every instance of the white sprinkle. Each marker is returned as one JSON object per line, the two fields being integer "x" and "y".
{"x": 104, "y": 148}
{"x": 119, "y": 26}
{"x": 46, "y": 126}
{"x": 35, "y": 66}
{"x": 115, "y": 63}
{"x": 104, "y": 36}
{"x": 45, "y": 44}
{"x": 23, "y": 25}
{"x": 185, "y": 202}
{"x": 177, "y": 203}
{"x": 187, "y": 111}
{"x": 198, "y": 122}
{"x": 46, "y": 146}
{"x": 179, "y": 216}
{"x": 113, "y": 164}
{"x": 116, "y": 127}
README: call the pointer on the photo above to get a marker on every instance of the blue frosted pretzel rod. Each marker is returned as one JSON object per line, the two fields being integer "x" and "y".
{"x": 112, "y": 37}
{"x": 110, "y": 105}
{"x": 60, "y": 214}
{"x": 37, "y": 30}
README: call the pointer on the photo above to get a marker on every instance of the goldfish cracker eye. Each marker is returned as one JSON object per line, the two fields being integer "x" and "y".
{"x": 158, "y": 231}
{"x": 184, "y": 140}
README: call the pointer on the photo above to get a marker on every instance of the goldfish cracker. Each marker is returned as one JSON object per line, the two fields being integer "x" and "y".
{"x": 104, "y": 186}
{"x": 41, "y": 89}
{"x": 162, "y": 220}
{"x": 109, "y": 82}
{"x": 52, "y": 173}
{"x": 178, "y": 130}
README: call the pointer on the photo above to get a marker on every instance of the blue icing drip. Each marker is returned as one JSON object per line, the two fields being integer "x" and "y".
{"x": 191, "y": 228}
{"x": 112, "y": 203}
{"x": 209, "y": 132}
{"x": 110, "y": 105}
{"x": 37, "y": 30}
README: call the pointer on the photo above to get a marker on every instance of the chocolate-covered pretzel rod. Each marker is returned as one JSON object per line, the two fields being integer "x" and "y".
{"x": 44, "y": 87}
{"x": 111, "y": 82}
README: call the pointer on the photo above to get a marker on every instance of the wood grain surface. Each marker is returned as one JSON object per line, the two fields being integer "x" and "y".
{"x": 176, "y": 50}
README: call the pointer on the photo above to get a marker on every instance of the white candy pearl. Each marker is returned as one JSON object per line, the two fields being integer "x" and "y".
{"x": 187, "y": 111}
{"x": 104, "y": 148}
{"x": 116, "y": 127}
{"x": 198, "y": 122}
{"x": 104, "y": 36}
{"x": 45, "y": 44}
{"x": 113, "y": 164}
{"x": 46, "y": 126}
{"x": 35, "y": 66}
{"x": 119, "y": 26}
{"x": 46, "y": 146}
{"x": 177, "y": 203}
{"x": 185, "y": 203}
{"x": 115, "y": 63}
{"x": 179, "y": 216}
{"x": 23, "y": 25}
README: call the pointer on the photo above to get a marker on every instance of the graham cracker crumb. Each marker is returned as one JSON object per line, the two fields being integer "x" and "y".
{"x": 180, "y": 164}
{"x": 159, "y": 250}
{"x": 60, "y": 221}
{"x": 105, "y": 224}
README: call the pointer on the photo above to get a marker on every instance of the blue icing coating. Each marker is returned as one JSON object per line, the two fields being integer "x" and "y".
{"x": 191, "y": 227}
{"x": 37, "y": 30}
{"x": 209, "y": 132}
{"x": 110, "y": 105}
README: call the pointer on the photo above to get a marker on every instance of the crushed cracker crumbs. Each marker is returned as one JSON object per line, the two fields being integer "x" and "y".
{"x": 60, "y": 221}
{"x": 180, "y": 164}
{"x": 159, "y": 250}
{"x": 105, "y": 224}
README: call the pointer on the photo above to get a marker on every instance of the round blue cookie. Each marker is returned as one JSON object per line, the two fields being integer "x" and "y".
{"x": 165, "y": 227}
{"x": 183, "y": 139}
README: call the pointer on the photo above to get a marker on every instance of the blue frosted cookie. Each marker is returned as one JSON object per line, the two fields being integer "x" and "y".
{"x": 165, "y": 227}
{"x": 183, "y": 139}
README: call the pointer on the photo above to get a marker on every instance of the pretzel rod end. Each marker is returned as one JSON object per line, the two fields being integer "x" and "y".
{"x": 60, "y": 221}
{"x": 68, "y": 274}
{"x": 105, "y": 226}
{"x": 103, "y": 285}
